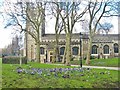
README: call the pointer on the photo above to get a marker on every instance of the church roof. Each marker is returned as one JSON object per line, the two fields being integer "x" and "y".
{"x": 76, "y": 36}
{"x": 62, "y": 36}
{"x": 106, "y": 38}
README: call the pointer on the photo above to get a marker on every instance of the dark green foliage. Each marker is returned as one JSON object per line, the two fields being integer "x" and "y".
{"x": 72, "y": 58}
{"x": 13, "y": 60}
{"x": 93, "y": 57}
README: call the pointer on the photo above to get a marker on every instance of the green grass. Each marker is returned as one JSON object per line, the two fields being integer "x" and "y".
{"x": 85, "y": 79}
{"x": 111, "y": 62}
{"x": 0, "y": 73}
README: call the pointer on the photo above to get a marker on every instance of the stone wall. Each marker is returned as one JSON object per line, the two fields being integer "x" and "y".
{"x": 48, "y": 47}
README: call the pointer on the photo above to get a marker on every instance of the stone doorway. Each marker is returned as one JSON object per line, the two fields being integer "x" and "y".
{"x": 51, "y": 55}
{"x": 51, "y": 58}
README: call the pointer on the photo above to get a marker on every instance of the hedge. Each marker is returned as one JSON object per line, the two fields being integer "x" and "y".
{"x": 13, "y": 60}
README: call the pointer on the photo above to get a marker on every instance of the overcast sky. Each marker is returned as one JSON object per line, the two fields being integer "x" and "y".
{"x": 6, "y": 36}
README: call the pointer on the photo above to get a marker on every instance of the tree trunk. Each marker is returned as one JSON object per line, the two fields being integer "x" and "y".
{"x": 68, "y": 48}
{"x": 57, "y": 53}
{"x": 56, "y": 49}
{"x": 89, "y": 51}
{"x": 38, "y": 52}
{"x": 26, "y": 37}
{"x": 64, "y": 56}
{"x": 54, "y": 55}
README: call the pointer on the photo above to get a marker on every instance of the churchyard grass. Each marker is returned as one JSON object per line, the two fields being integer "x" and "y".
{"x": 0, "y": 73}
{"x": 35, "y": 75}
{"x": 111, "y": 62}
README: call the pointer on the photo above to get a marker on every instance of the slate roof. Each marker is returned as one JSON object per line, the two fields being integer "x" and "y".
{"x": 106, "y": 38}
{"x": 62, "y": 36}
{"x": 76, "y": 36}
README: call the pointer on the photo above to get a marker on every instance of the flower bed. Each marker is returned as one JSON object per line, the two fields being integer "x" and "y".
{"x": 36, "y": 75}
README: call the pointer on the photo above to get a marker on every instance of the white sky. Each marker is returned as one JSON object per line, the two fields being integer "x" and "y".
{"x": 51, "y": 22}
{"x": 6, "y": 36}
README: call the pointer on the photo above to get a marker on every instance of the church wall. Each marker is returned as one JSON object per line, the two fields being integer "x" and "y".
{"x": 31, "y": 48}
{"x": 49, "y": 52}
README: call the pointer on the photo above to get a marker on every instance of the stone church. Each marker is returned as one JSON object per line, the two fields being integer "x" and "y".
{"x": 103, "y": 46}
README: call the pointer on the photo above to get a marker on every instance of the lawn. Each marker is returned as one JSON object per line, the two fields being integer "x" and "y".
{"x": 0, "y": 73}
{"x": 52, "y": 76}
{"x": 111, "y": 62}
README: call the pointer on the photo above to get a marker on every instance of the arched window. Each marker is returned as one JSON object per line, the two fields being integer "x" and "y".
{"x": 116, "y": 48}
{"x": 94, "y": 49}
{"x": 106, "y": 49}
{"x": 75, "y": 50}
{"x": 42, "y": 50}
{"x": 62, "y": 49}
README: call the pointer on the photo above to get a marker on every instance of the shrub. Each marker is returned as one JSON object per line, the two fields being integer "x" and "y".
{"x": 92, "y": 57}
{"x": 13, "y": 60}
{"x": 84, "y": 58}
{"x": 72, "y": 58}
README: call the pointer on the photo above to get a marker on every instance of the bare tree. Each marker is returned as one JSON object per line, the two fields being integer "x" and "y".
{"x": 69, "y": 15}
{"x": 96, "y": 10}
{"x": 105, "y": 27}
{"x": 55, "y": 8}
{"x": 35, "y": 17}
{"x": 31, "y": 14}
